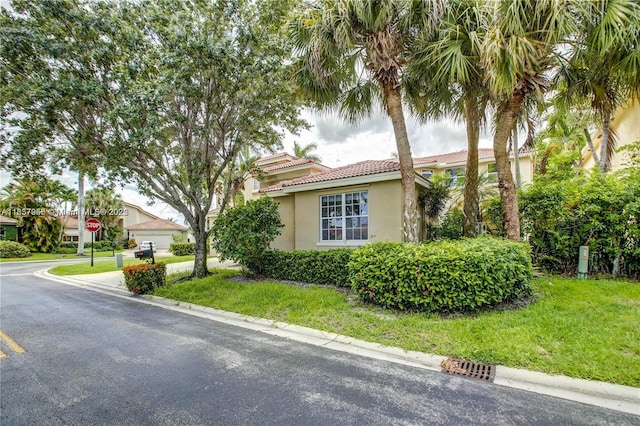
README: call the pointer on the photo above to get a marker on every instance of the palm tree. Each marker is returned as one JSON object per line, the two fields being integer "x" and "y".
{"x": 105, "y": 204}
{"x": 609, "y": 34}
{"x": 449, "y": 65}
{"x": 351, "y": 55}
{"x": 305, "y": 151}
{"x": 520, "y": 49}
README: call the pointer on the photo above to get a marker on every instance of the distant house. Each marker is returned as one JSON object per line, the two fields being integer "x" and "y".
{"x": 8, "y": 229}
{"x": 626, "y": 126}
{"x": 160, "y": 231}
{"x": 153, "y": 227}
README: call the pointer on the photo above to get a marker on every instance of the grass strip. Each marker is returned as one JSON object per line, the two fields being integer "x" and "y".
{"x": 83, "y": 268}
{"x": 587, "y": 329}
{"x": 57, "y": 256}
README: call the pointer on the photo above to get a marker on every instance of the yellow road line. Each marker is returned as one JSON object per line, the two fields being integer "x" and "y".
{"x": 3, "y": 355}
{"x": 13, "y": 345}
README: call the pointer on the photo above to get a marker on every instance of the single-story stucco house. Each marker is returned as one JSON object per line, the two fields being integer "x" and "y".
{"x": 160, "y": 231}
{"x": 8, "y": 229}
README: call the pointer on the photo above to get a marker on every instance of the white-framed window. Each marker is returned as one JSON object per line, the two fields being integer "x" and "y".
{"x": 256, "y": 184}
{"x": 456, "y": 176}
{"x": 344, "y": 217}
{"x": 427, "y": 174}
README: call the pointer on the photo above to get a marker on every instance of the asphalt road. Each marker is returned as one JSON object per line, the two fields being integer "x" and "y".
{"x": 95, "y": 359}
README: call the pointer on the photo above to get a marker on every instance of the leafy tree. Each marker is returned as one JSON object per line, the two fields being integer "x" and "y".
{"x": 352, "y": 55}
{"x": 305, "y": 151}
{"x": 33, "y": 203}
{"x": 434, "y": 200}
{"x": 201, "y": 81}
{"x": 56, "y": 59}
{"x": 243, "y": 233}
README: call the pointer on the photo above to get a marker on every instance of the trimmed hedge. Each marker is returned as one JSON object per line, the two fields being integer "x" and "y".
{"x": 182, "y": 249}
{"x": 11, "y": 249}
{"x": 308, "y": 266}
{"x": 444, "y": 276}
{"x": 145, "y": 277}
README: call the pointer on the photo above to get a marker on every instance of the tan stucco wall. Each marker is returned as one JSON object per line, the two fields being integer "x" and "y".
{"x": 626, "y": 124}
{"x": 385, "y": 214}
{"x": 286, "y": 208}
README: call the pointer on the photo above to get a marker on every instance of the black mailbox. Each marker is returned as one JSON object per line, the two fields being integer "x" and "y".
{"x": 144, "y": 254}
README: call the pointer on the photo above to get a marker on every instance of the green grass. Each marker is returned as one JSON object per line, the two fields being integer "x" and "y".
{"x": 83, "y": 268}
{"x": 55, "y": 256}
{"x": 588, "y": 329}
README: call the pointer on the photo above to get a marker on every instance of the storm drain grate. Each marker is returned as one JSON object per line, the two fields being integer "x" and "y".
{"x": 461, "y": 367}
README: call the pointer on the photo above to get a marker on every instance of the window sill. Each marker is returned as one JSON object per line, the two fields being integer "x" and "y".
{"x": 338, "y": 244}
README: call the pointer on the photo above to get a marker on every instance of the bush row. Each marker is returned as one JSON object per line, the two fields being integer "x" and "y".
{"x": 145, "y": 277}
{"x": 182, "y": 249}
{"x": 11, "y": 249}
{"x": 445, "y": 276}
{"x": 97, "y": 245}
{"x": 308, "y": 266}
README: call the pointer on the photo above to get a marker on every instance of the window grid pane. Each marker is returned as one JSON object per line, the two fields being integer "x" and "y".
{"x": 344, "y": 217}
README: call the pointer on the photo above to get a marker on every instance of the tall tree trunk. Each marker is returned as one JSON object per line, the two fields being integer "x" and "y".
{"x": 516, "y": 157}
{"x": 604, "y": 142}
{"x": 80, "y": 214}
{"x": 594, "y": 154}
{"x": 200, "y": 269}
{"x": 410, "y": 214}
{"x": 506, "y": 120}
{"x": 471, "y": 207}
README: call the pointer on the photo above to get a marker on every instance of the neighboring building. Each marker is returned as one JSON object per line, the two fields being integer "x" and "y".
{"x": 454, "y": 164}
{"x": 160, "y": 231}
{"x": 8, "y": 229}
{"x": 626, "y": 125}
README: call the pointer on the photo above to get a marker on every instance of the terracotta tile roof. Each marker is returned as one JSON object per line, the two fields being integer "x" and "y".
{"x": 453, "y": 157}
{"x": 160, "y": 224}
{"x": 363, "y": 168}
{"x": 269, "y": 158}
{"x": 279, "y": 166}
{"x": 70, "y": 222}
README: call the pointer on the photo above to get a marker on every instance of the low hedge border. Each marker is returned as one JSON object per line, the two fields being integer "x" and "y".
{"x": 307, "y": 266}
{"x": 444, "y": 276}
{"x": 13, "y": 249}
{"x": 145, "y": 277}
{"x": 182, "y": 249}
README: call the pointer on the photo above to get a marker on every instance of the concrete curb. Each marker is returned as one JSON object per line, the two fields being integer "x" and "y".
{"x": 607, "y": 395}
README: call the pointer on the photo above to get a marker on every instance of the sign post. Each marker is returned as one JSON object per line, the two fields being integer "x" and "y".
{"x": 92, "y": 225}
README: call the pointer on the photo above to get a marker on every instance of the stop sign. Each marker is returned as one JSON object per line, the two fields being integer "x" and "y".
{"x": 92, "y": 225}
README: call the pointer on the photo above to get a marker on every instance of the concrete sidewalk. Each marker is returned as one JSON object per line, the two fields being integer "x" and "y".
{"x": 607, "y": 395}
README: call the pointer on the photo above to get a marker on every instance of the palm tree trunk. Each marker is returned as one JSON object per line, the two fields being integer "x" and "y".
{"x": 507, "y": 115}
{"x": 604, "y": 143}
{"x": 80, "y": 214}
{"x": 471, "y": 202}
{"x": 410, "y": 216}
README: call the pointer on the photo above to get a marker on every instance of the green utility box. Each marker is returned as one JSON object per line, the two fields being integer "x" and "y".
{"x": 119, "y": 262}
{"x": 583, "y": 262}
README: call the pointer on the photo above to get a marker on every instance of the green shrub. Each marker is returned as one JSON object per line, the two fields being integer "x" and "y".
{"x": 445, "y": 276}
{"x": 182, "y": 249}
{"x": 245, "y": 232}
{"x": 308, "y": 266}
{"x": 11, "y": 249}
{"x": 132, "y": 244}
{"x": 145, "y": 277}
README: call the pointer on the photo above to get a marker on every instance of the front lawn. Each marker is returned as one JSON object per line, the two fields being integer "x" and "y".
{"x": 110, "y": 265}
{"x": 588, "y": 329}
{"x": 56, "y": 256}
